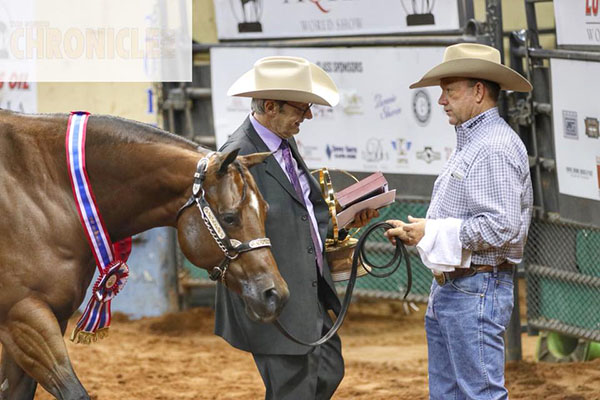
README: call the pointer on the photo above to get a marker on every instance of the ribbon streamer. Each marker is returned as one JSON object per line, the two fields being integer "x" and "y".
{"x": 110, "y": 259}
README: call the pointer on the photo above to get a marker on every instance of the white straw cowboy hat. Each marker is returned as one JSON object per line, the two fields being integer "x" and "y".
{"x": 289, "y": 79}
{"x": 470, "y": 60}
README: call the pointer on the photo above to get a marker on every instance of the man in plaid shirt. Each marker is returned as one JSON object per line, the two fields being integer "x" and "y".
{"x": 475, "y": 229}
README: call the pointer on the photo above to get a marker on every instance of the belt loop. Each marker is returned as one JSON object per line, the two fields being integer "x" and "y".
{"x": 495, "y": 272}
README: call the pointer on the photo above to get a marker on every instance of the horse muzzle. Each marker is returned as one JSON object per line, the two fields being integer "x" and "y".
{"x": 265, "y": 299}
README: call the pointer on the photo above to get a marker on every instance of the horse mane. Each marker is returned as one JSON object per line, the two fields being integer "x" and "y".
{"x": 129, "y": 131}
{"x": 117, "y": 129}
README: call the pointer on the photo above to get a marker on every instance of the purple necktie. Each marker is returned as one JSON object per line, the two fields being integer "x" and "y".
{"x": 291, "y": 171}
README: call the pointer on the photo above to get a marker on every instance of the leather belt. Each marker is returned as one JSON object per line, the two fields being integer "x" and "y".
{"x": 443, "y": 277}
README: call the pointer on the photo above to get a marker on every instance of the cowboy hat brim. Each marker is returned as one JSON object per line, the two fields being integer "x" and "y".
{"x": 475, "y": 68}
{"x": 322, "y": 89}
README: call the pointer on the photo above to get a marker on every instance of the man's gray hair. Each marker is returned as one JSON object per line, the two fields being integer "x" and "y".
{"x": 258, "y": 105}
{"x": 492, "y": 88}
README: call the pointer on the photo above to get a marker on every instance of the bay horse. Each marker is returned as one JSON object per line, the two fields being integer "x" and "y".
{"x": 141, "y": 177}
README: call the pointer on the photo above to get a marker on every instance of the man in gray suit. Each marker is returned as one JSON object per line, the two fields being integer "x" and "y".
{"x": 283, "y": 90}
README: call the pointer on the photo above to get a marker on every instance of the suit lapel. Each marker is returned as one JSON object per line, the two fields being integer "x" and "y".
{"x": 316, "y": 197}
{"x": 272, "y": 167}
{"x": 315, "y": 189}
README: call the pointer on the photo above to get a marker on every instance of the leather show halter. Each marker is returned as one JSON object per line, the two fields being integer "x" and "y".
{"x": 231, "y": 248}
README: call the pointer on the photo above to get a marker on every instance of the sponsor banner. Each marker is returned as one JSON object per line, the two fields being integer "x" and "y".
{"x": 577, "y": 22}
{"x": 254, "y": 19}
{"x": 96, "y": 41}
{"x": 379, "y": 125}
{"x": 576, "y": 127}
{"x": 18, "y": 96}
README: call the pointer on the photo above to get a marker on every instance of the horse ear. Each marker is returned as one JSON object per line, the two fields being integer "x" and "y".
{"x": 228, "y": 159}
{"x": 253, "y": 159}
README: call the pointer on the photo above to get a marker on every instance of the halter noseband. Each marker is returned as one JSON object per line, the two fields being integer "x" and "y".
{"x": 232, "y": 248}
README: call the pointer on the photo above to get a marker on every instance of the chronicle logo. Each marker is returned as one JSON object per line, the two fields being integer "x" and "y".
{"x": 592, "y": 128}
{"x": 570, "y": 124}
{"x": 374, "y": 151}
{"x": 5, "y": 22}
{"x": 421, "y": 106}
{"x": 428, "y": 155}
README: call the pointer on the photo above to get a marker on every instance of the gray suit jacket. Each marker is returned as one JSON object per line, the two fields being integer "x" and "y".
{"x": 289, "y": 231}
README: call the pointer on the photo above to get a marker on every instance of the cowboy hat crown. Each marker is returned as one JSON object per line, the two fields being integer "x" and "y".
{"x": 471, "y": 60}
{"x": 289, "y": 79}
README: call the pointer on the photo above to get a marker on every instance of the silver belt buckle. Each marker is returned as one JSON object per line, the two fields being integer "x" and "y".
{"x": 440, "y": 278}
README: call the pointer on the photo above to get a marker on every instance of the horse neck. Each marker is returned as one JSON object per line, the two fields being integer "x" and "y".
{"x": 139, "y": 186}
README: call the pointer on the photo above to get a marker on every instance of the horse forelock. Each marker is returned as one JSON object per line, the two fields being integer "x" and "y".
{"x": 251, "y": 194}
{"x": 234, "y": 177}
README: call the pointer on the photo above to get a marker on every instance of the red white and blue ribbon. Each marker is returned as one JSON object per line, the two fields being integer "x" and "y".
{"x": 110, "y": 259}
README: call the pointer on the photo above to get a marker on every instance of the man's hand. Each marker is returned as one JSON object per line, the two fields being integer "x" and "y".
{"x": 396, "y": 232}
{"x": 363, "y": 217}
{"x": 415, "y": 230}
{"x": 409, "y": 233}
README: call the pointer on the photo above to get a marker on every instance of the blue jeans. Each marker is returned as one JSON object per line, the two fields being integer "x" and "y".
{"x": 465, "y": 323}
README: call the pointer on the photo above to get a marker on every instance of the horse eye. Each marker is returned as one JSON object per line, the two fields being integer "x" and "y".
{"x": 229, "y": 219}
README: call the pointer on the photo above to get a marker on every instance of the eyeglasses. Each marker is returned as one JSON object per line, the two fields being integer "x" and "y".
{"x": 303, "y": 110}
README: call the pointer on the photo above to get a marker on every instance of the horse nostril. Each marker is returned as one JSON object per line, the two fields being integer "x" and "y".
{"x": 271, "y": 295}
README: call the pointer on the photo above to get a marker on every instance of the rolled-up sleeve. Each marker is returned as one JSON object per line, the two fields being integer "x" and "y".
{"x": 493, "y": 194}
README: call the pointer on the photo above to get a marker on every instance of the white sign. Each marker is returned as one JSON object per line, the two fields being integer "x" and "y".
{"x": 576, "y": 126}
{"x": 18, "y": 96}
{"x": 379, "y": 125}
{"x": 252, "y": 19}
{"x": 577, "y": 22}
{"x": 96, "y": 41}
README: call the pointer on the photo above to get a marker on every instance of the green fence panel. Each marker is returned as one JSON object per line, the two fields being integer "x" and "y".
{"x": 562, "y": 265}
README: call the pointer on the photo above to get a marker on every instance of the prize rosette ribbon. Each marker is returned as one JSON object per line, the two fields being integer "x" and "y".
{"x": 95, "y": 320}
{"x": 112, "y": 282}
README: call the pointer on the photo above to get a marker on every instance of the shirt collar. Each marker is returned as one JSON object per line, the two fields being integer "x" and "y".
{"x": 468, "y": 130}
{"x": 271, "y": 139}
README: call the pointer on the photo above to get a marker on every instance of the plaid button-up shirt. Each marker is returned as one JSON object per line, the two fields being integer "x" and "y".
{"x": 486, "y": 183}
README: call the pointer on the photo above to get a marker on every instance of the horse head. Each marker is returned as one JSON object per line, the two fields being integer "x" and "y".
{"x": 222, "y": 229}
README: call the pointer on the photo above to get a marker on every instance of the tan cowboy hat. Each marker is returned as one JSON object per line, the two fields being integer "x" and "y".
{"x": 470, "y": 60}
{"x": 287, "y": 78}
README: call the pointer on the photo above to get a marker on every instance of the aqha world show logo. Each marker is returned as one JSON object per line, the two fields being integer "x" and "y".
{"x": 592, "y": 20}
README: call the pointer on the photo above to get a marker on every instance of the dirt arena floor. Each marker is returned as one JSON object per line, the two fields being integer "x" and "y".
{"x": 177, "y": 357}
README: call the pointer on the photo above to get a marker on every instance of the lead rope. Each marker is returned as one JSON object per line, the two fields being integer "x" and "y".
{"x": 359, "y": 256}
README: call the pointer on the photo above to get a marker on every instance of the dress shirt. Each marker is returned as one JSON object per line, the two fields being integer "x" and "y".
{"x": 486, "y": 185}
{"x": 273, "y": 142}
